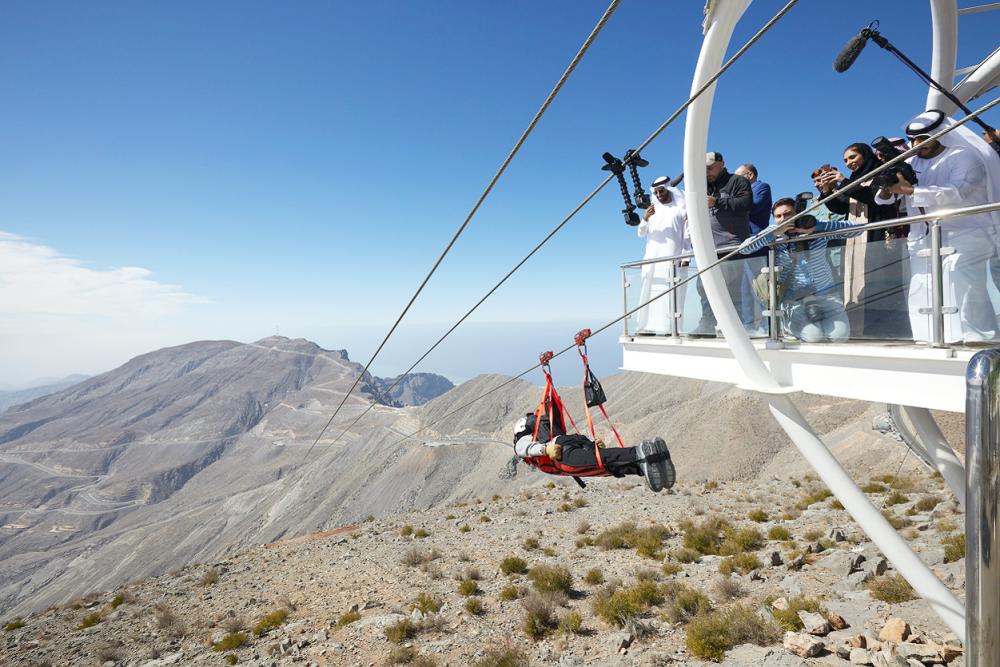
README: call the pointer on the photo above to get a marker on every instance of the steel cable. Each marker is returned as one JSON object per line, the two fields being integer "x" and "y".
{"x": 586, "y": 200}
{"x": 496, "y": 177}
{"x": 771, "y": 230}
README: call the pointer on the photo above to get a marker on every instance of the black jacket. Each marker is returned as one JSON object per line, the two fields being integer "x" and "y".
{"x": 733, "y": 199}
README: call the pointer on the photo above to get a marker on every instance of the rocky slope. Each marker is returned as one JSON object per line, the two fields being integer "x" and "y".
{"x": 429, "y": 588}
{"x": 19, "y": 396}
{"x": 412, "y": 389}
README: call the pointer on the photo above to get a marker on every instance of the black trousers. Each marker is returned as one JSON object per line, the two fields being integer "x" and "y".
{"x": 578, "y": 450}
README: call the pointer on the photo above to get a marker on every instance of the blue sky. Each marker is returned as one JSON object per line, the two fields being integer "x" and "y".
{"x": 214, "y": 170}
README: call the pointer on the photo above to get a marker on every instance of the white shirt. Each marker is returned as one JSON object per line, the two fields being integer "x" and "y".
{"x": 666, "y": 231}
{"x": 954, "y": 178}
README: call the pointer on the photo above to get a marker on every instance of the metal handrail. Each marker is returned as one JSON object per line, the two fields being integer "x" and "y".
{"x": 885, "y": 224}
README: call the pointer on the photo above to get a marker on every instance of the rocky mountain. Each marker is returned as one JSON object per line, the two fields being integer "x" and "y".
{"x": 18, "y": 396}
{"x": 198, "y": 452}
{"x": 413, "y": 389}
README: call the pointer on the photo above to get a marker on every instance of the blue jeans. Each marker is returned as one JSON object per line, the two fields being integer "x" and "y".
{"x": 816, "y": 318}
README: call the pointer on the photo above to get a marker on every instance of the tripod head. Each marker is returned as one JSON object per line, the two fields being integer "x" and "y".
{"x": 634, "y": 161}
{"x": 616, "y": 167}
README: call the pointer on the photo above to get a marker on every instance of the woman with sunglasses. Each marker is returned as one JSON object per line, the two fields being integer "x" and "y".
{"x": 876, "y": 267}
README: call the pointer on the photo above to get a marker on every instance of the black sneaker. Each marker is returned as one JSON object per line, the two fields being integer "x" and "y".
{"x": 654, "y": 460}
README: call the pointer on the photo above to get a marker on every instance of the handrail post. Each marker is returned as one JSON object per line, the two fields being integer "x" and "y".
{"x": 624, "y": 301}
{"x": 672, "y": 297}
{"x": 982, "y": 523}
{"x": 937, "y": 287}
{"x": 772, "y": 294}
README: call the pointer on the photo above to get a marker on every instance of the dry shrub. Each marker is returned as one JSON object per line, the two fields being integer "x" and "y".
{"x": 710, "y": 635}
{"x": 744, "y": 563}
{"x": 548, "y": 578}
{"x": 954, "y": 547}
{"x": 646, "y": 541}
{"x": 891, "y": 588}
{"x": 684, "y": 603}
{"x": 727, "y": 589}
{"x": 504, "y": 656}
{"x": 513, "y": 565}
{"x": 789, "y": 619}
{"x": 594, "y": 577}
{"x": 704, "y": 537}
{"x": 209, "y": 577}
{"x": 539, "y": 615}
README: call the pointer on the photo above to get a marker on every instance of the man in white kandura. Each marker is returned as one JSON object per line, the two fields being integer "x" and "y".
{"x": 665, "y": 229}
{"x": 958, "y": 170}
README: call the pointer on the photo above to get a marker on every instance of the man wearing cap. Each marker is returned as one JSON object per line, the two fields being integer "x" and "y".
{"x": 664, "y": 226}
{"x": 958, "y": 169}
{"x": 729, "y": 200}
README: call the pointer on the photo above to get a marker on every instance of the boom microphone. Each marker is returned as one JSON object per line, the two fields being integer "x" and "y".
{"x": 851, "y": 51}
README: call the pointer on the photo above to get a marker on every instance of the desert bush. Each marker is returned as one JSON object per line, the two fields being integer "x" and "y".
{"x": 399, "y": 632}
{"x": 406, "y": 530}
{"x": 270, "y": 621}
{"x": 744, "y": 563}
{"x": 874, "y": 487}
{"x": 571, "y": 624}
{"x": 646, "y": 541}
{"x": 209, "y": 577}
{"x": 510, "y": 593}
{"x": 927, "y": 503}
{"x": 647, "y": 574}
{"x": 413, "y": 557}
{"x": 813, "y": 497}
{"x": 685, "y": 555}
{"x": 232, "y": 624}
{"x": 348, "y": 617}
{"x": 484, "y": 519}
{"x": 946, "y": 526}
{"x": 165, "y": 616}
{"x": 896, "y": 498}
{"x": 231, "y": 659}
{"x": 530, "y": 544}
{"x": 450, "y": 517}
{"x": 125, "y": 597}
{"x": 427, "y": 603}
{"x": 812, "y": 534}
{"x": 594, "y": 577}
{"x": 580, "y": 501}
{"x": 704, "y": 537}
{"x": 954, "y": 547}
{"x": 645, "y": 594}
{"x": 474, "y": 606}
{"x": 421, "y": 533}
{"x": 539, "y": 616}
{"x": 15, "y": 623}
{"x": 582, "y": 528}
{"x": 896, "y": 522}
{"x": 710, "y": 635}
{"x": 711, "y": 485}
{"x": 549, "y": 551}
{"x": 615, "y": 606}
{"x": 508, "y": 656}
{"x": 407, "y": 655}
{"x": 565, "y": 507}
{"x": 90, "y": 620}
{"x": 684, "y": 603}
{"x": 548, "y": 578}
{"x": 108, "y": 652}
{"x": 671, "y": 569}
{"x": 495, "y": 497}
{"x": 736, "y": 541}
{"x": 779, "y": 533}
{"x": 464, "y": 528}
{"x": 230, "y": 642}
{"x": 758, "y": 515}
{"x": 836, "y": 504}
{"x": 727, "y": 588}
{"x": 789, "y": 619}
{"x": 513, "y": 565}
{"x": 891, "y": 588}
{"x": 467, "y": 587}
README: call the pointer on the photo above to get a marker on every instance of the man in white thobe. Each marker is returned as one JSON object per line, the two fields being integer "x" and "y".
{"x": 957, "y": 170}
{"x": 664, "y": 226}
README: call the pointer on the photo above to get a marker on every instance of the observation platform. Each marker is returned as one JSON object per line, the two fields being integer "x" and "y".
{"x": 899, "y": 373}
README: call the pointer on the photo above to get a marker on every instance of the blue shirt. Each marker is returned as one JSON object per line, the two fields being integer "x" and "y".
{"x": 760, "y": 210}
{"x": 810, "y": 270}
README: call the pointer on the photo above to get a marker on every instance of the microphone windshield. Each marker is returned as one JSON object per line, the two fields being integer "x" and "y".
{"x": 851, "y": 51}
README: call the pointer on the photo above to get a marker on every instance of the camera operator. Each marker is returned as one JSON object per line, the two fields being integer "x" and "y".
{"x": 874, "y": 263}
{"x": 960, "y": 169}
{"x": 665, "y": 229}
{"x": 729, "y": 201}
{"x": 809, "y": 302}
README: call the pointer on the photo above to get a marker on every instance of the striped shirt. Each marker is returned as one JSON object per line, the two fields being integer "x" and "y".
{"x": 811, "y": 272}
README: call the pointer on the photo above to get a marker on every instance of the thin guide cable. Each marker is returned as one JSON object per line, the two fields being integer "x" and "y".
{"x": 656, "y": 133}
{"x": 496, "y": 177}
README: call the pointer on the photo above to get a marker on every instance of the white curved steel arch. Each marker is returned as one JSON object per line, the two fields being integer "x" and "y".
{"x": 720, "y": 20}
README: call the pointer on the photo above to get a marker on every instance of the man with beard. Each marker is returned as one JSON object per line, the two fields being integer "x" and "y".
{"x": 957, "y": 170}
{"x": 729, "y": 201}
{"x": 664, "y": 226}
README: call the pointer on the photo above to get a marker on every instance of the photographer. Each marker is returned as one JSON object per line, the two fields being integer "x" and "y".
{"x": 729, "y": 201}
{"x": 874, "y": 263}
{"x": 664, "y": 226}
{"x": 959, "y": 169}
{"x": 809, "y": 301}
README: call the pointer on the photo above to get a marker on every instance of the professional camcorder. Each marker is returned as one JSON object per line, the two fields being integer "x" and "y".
{"x": 888, "y": 151}
{"x": 802, "y": 201}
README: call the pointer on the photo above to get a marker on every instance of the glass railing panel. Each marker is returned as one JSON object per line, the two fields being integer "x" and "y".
{"x": 969, "y": 276}
{"x": 875, "y": 283}
{"x": 739, "y": 274}
{"x": 643, "y": 283}
{"x": 811, "y": 292}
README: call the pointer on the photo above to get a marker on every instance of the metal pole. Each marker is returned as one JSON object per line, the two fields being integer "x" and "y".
{"x": 624, "y": 302}
{"x": 672, "y": 298}
{"x": 772, "y": 293}
{"x": 982, "y": 538}
{"x": 937, "y": 287}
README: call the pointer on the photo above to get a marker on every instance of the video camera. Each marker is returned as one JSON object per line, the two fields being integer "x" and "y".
{"x": 802, "y": 201}
{"x": 888, "y": 151}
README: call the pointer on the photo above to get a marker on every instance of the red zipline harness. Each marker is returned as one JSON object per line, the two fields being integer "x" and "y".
{"x": 553, "y": 407}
